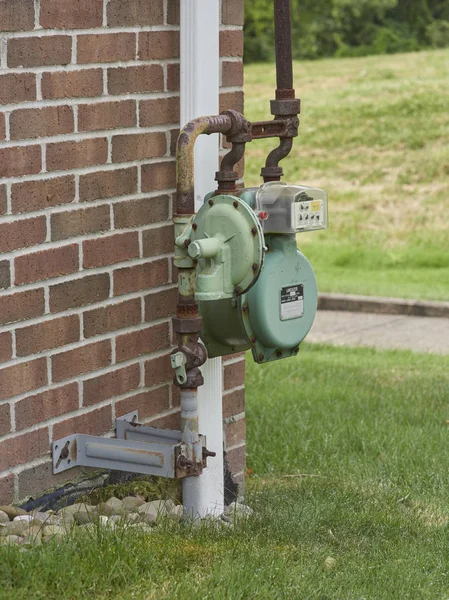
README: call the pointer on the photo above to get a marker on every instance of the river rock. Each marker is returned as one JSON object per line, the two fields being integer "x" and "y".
{"x": 12, "y": 511}
{"x": 11, "y": 539}
{"x": 132, "y": 503}
{"x": 3, "y": 517}
{"x": 51, "y": 532}
{"x": 113, "y": 506}
{"x": 17, "y": 527}
{"x": 235, "y": 509}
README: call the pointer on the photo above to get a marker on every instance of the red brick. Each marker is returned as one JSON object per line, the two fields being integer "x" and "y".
{"x": 140, "y": 277}
{"x": 2, "y": 127}
{"x": 17, "y": 87}
{"x": 171, "y": 421}
{"x": 236, "y": 459}
{"x": 71, "y": 14}
{"x": 234, "y": 375}
{"x": 233, "y": 403}
{"x": 39, "y": 51}
{"x": 5, "y": 419}
{"x": 35, "y": 480}
{"x": 135, "y": 12}
{"x": 112, "y": 317}
{"x": 159, "y": 111}
{"x": 136, "y": 80}
{"x": 22, "y": 234}
{"x": 232, "y": 74}
{"x": 41, "y": 194}
{"x": 5, "y": 346}
{"x": 23, "y": 448}
{"x": 173, "y": 77}
{"x": 235, "y": 433}
{"x": 5, "y": 274}
{"x": 174, "y": 134}
{"x": 232, "y": 12}
{"x": 160, "y": 304}
{"x": 111, "y": 384}
{"x": 104, "y": 48}
{"x": 144, "y": 211}
{"x": 111, "y": 249}
{"x": 131, "y": 345}
{"x": 81, "y": 360}
{"x": 158, "y": 370}
{"x": 138, "y": 146}
{"x": 6, "y": 489}
{"x": 3, "y": 200}
{"x": 21, "y": 305}
{"x": 41, "y": 122}
{"x": 107, "y": 115}
{"x": 157, "y": 45}
{"x": 72, "y": 84}
{"x": 17, "y": 15}
{"x": 148, "y": 403}
{"x": 21, "y": 160}
{"x": 79, "y": 222}
{"x": 74, "y": 155}
{"x": 173, "y": 12}
{"x": 40, "y": 407}
{"x": 79, "y": 292}
{"x": 23, "y": 377}
{"x": 158, "y": 241}
{"x": 49, "y": 334}
{"x": 231, "y": 100}
{"x": 96, "y": 422}
{"x": 231, "y": 43}
{"x": 46, "y": 264}
{"x": 107, "y": 184}
{"x": 158, "y": 176}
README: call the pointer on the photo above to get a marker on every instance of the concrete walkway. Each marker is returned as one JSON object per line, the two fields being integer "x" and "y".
{"x": 421, "y": 334}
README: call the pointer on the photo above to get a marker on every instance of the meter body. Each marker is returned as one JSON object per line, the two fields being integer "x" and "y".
{"x": 255, "y": 289}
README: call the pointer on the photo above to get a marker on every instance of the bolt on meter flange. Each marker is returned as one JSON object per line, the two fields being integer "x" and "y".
{"x": 228, "y": 242}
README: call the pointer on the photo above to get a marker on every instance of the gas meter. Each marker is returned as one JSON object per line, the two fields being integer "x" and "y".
{"x": 254, "y": 288}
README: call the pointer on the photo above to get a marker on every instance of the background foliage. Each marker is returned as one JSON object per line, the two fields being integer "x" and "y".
{"x": 349, "y": 27}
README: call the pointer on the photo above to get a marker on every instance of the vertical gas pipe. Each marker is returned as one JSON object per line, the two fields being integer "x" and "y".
{"x": 285, "y": 107}
{"x": 190, "y": 354}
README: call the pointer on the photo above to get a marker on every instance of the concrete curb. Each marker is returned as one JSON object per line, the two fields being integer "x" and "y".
{"x": 385, "y": 306}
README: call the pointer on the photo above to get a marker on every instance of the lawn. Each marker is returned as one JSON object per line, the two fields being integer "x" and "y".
{"x": 375, "y": 134}
{"x": 347, "y": 458}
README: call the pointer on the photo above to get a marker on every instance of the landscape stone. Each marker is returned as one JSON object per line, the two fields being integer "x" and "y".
{"x": 3, "y": 517}
{"x": 113, "y": 506}
{"x": 13, "y": 511}
{"x": 132, "y": 503}
{"x": 17, "y": 527}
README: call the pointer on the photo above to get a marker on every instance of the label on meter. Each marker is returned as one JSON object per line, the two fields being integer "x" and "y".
{"x": 292, "y": 302}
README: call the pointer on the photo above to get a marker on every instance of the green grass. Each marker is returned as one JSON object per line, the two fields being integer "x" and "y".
{"x": 368, "y": 426}
{"x": 375, "y": 134}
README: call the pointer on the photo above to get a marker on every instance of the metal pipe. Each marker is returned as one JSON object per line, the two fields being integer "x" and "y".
{"x": 283, "y": 45}
{"x": 185, "y": 176}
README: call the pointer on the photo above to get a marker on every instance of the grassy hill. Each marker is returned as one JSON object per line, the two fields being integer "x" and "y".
{"x": 375, "y": 134}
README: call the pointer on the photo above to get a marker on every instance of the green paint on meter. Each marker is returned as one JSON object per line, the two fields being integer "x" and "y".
{"x": 292, "y": 302}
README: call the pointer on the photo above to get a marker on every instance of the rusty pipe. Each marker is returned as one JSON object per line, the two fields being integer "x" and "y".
{"x": 185, "y": 184}
{"x": 283, "y": 46}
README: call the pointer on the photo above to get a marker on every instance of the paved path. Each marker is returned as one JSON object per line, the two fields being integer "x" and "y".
{"x": 422, "y": 334}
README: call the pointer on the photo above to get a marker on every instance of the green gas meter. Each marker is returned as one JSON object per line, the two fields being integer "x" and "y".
{"x": 254, "y": 288}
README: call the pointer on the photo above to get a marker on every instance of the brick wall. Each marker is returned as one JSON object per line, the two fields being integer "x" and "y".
{"x": 89, "y": 115}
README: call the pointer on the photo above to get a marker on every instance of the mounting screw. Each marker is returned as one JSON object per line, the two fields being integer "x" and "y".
{"x": 260, "y": 357}
{"x": 211, "y": 202}
{"x": 194, "y": 226}
{"x": 255, "y": 267}
{"x": 187, "y": 242}
{"x": 253, "y": 340}
{"x": 235, "y": 204}
{"x": 65, "y": 451}
{"x": 245, "y": 308}
{"x": 237, "y": 290}
{"x": 279, "y": 354}
{"x": 254, "y": 231}
{"x": 295, "y": 350}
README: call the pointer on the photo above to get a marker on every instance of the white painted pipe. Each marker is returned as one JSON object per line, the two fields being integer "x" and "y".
{"x": 200, "y": 69}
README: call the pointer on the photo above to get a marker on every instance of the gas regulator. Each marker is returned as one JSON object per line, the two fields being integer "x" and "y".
{"x": 254, "y": 288}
